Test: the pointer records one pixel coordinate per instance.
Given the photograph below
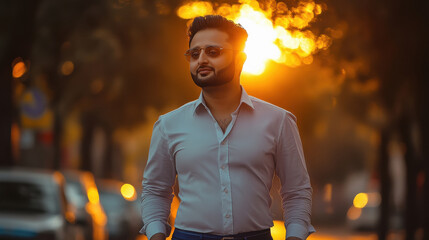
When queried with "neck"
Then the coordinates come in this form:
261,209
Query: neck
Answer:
223,99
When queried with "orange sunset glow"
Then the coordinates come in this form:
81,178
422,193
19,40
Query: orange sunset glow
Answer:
281,30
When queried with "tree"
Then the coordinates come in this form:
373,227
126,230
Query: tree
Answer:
16,36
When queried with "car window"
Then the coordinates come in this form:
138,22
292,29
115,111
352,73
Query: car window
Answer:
29,198
76,194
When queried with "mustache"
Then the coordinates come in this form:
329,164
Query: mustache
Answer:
199,68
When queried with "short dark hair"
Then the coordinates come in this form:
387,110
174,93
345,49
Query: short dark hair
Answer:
237,34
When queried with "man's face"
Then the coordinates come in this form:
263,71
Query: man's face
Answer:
207,71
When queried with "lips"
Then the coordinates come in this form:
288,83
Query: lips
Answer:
205,70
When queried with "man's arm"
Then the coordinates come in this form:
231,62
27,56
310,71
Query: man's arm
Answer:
161,236
158,179
296,189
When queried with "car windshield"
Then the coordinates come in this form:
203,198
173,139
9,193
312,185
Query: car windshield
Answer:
28,198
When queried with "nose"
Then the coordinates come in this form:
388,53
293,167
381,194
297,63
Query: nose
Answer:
202,59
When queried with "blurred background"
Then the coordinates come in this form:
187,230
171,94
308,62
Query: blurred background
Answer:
82,83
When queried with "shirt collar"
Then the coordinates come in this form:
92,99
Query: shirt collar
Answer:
244,99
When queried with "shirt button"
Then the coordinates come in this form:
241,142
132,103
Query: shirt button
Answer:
226,190
227,216
223,167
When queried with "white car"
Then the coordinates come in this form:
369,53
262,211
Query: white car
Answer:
33,205
119,201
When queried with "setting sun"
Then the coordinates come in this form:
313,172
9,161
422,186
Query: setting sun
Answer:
276,32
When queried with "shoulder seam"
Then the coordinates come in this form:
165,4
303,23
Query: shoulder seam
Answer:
179,108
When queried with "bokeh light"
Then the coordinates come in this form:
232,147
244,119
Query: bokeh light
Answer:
361,200
19,69
67,68
128,192
354,213
93,195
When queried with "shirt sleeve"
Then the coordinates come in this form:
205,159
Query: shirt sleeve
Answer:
296,191
158,180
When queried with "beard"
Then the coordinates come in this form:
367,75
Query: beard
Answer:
221,77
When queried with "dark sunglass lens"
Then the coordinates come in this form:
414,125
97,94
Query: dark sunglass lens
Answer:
195,53
212,51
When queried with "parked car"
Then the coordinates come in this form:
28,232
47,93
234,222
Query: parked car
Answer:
33,205
82,192
364,213
119,201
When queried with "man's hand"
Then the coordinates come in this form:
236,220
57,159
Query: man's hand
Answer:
158,236
293,238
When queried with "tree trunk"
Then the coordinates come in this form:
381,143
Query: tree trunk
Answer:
88,125
385,184
423,99
425,146
411,217
57,131
108,158
6,109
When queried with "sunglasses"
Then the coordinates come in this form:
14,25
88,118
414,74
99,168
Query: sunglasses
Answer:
210,51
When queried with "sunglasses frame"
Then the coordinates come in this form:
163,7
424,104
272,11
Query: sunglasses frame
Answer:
188,54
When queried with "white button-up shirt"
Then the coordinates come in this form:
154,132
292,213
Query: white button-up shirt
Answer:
225,177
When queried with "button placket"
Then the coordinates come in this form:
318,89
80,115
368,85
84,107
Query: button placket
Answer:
225,185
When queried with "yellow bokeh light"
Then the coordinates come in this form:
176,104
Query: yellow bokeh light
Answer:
128,192
278,231
67,68
360,200
93,207
275,33
97,212
93,195
19,69
195,9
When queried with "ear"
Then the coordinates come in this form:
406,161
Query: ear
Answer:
240,59
242,56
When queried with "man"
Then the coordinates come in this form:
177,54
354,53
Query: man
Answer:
224,148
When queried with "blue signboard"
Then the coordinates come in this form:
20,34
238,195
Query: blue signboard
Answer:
33,104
